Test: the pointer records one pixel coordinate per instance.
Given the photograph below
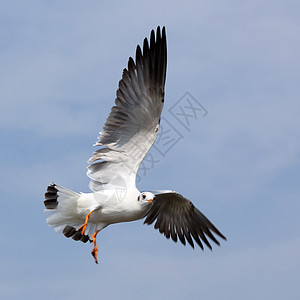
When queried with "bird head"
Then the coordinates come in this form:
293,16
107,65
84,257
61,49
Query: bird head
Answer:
146,198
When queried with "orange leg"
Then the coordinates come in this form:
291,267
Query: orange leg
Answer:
83,227
95,250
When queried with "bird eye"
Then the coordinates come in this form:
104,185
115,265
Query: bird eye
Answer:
144,196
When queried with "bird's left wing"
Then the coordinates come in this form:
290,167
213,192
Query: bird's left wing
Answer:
177,217
131,128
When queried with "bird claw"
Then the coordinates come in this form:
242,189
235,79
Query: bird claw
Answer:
95,250
94,253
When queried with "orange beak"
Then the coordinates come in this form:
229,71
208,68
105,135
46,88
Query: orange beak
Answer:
151,200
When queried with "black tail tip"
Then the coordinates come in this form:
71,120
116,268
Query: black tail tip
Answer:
70,231
51,197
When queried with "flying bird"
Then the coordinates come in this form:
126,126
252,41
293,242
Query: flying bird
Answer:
128,134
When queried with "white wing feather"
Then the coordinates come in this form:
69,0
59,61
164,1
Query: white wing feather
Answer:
131,128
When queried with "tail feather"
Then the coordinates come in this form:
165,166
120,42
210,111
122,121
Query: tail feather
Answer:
51,197
60,206
70,231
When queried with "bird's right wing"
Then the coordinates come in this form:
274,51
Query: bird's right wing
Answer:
133,123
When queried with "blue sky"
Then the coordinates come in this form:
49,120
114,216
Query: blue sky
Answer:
60,65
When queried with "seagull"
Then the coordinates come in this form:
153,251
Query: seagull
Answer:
127,136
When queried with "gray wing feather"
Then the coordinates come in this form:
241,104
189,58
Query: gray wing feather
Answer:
131,128
178,218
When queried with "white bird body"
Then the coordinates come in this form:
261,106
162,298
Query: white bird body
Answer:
115,208
108,206
128,134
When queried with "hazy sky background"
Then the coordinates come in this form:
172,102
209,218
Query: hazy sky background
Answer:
60,66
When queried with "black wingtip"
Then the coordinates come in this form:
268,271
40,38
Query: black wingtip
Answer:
184,221
158,36
216,231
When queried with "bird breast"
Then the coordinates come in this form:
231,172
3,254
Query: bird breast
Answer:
116,206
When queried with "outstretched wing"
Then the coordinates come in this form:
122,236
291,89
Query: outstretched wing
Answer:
131,128
177,217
